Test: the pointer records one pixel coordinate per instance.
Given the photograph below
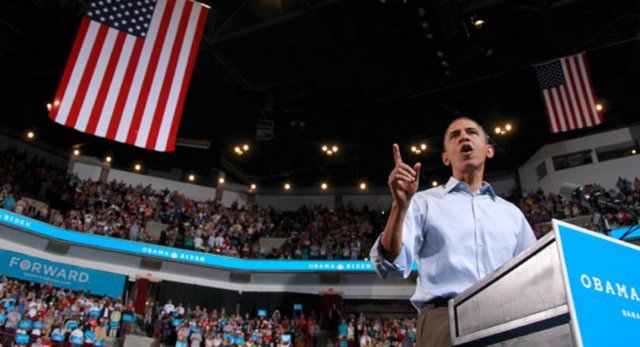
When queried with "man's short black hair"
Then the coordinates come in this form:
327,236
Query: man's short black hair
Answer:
444,138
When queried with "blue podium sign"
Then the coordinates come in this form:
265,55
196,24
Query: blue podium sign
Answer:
602,286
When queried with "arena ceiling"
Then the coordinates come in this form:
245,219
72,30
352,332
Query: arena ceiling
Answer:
361,74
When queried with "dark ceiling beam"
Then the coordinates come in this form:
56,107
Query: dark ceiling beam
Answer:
479,5
228,166
612,24
547,25
227,65
229,19
11,27
266,24
335,46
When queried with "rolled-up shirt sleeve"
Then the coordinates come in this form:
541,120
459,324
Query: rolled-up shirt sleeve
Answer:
411,240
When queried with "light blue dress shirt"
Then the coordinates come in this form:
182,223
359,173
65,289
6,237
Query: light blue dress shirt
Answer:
456,237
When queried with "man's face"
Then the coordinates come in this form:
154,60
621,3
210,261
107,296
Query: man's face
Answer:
466,147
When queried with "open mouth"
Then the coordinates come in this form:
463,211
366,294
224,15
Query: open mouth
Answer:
466,149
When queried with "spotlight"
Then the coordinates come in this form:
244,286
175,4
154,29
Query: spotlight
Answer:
324,186
108,159
414,149
325,148
504,129
221,180
56,103
363,186
253,186
192,177
245,147
477,21
49,107
423,146
137,167
76,152
287,186
329,152
31,134
334,149
633,151
599,107
434,183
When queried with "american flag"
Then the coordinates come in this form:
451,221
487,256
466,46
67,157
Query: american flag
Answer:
568,94
129,70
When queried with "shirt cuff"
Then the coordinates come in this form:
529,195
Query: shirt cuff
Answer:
384,267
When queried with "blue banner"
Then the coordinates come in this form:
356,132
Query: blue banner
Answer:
57,336
127,318
22,338
603,286
24,324
144,249
29,268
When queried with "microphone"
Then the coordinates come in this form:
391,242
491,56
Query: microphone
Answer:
590,197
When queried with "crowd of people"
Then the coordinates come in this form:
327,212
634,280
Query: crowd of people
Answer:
122,211
539,208
42,315
379,332
118,210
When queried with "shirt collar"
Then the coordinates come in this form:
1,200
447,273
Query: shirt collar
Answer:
456,185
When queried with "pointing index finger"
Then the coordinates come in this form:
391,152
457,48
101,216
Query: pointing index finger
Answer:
397,158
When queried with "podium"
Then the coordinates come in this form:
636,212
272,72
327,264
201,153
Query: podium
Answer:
574,287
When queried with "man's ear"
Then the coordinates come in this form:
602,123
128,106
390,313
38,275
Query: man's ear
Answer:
491,151
445,159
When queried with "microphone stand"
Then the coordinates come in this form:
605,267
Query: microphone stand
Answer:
635,224
599,219
601,203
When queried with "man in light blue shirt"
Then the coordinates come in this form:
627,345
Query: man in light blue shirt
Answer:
458,233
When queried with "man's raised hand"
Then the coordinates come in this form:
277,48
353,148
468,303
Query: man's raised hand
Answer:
403,180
